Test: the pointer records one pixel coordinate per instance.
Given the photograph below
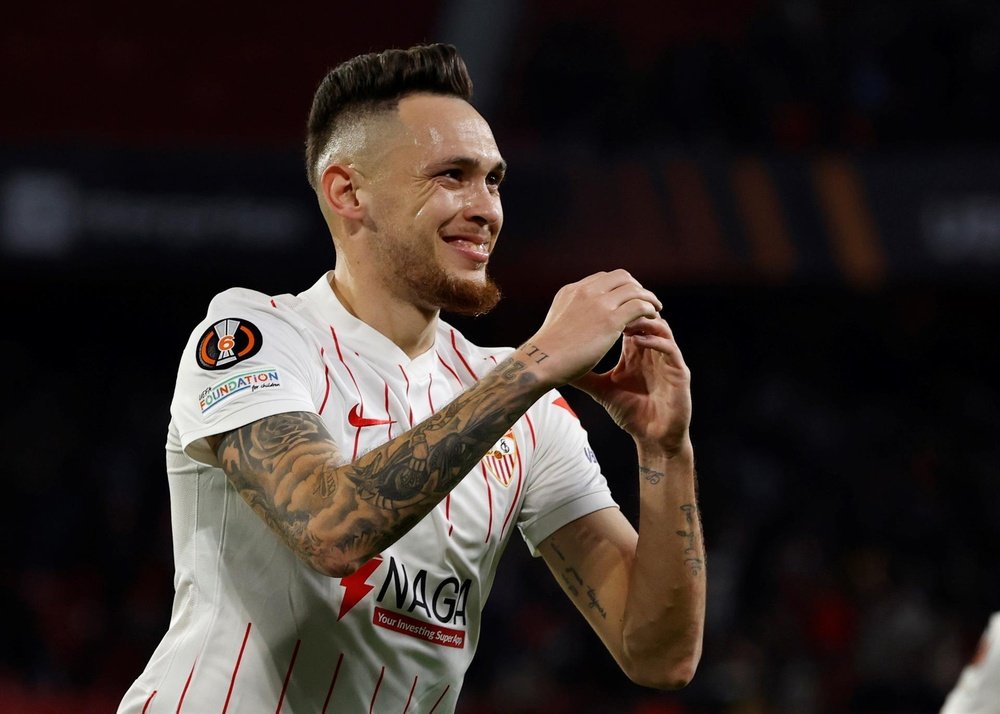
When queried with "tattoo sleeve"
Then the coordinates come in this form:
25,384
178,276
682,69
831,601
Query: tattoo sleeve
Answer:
288,468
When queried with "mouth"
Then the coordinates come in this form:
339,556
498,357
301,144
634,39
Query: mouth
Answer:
475,248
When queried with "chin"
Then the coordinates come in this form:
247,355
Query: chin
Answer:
468,296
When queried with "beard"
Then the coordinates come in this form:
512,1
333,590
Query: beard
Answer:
416,272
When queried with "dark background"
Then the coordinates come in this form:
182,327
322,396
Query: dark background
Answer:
811,187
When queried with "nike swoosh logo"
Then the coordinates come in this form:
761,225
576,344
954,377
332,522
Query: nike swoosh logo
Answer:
356,420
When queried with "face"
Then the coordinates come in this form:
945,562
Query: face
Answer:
433,210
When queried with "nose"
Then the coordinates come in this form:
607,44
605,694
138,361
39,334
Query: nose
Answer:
483,206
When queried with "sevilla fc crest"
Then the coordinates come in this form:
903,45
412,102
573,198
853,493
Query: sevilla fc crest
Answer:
502,460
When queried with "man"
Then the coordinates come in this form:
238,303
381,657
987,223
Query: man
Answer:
978,688
346,469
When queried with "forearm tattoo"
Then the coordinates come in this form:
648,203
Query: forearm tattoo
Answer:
575,584
651,475
534,353
289,470
692,539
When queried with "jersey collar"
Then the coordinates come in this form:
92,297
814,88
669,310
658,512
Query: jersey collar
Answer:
359,336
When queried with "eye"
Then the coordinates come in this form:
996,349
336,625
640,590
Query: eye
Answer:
453,174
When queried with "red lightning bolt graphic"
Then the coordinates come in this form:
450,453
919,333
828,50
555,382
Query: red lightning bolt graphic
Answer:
355,587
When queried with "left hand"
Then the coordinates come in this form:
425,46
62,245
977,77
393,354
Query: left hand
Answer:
648,393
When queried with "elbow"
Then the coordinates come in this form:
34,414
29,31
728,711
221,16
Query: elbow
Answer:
664,675
671,667
334,564
334,569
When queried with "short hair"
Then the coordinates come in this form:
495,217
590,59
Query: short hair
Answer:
376,82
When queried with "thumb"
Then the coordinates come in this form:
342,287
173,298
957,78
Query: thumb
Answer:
593,384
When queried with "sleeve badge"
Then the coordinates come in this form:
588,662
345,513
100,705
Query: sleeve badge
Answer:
227,342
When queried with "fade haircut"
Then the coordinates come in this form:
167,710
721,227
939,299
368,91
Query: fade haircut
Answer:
374,83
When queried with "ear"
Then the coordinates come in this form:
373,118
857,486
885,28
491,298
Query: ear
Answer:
340,191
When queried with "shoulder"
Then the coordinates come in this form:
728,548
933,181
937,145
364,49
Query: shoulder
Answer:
256,307
245,298
239,322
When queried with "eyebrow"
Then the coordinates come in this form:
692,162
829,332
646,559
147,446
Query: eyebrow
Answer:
469,163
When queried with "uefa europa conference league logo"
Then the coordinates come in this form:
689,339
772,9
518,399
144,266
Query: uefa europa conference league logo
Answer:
227,342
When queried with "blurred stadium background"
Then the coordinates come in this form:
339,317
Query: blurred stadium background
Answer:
812,186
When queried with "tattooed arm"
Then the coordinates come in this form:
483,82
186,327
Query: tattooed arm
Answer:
643,593
336,516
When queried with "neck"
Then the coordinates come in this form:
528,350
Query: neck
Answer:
410,327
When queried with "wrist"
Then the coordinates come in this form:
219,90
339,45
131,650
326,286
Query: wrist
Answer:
665,451
538,361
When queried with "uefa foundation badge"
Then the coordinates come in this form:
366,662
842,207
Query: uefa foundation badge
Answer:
227,342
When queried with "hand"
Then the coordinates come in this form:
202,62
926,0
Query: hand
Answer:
586,318
648,393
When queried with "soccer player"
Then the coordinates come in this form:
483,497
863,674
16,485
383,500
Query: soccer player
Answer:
978,688
346,469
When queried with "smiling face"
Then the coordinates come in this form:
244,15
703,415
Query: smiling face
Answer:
432,204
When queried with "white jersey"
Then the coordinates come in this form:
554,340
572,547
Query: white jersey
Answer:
978,687
254,628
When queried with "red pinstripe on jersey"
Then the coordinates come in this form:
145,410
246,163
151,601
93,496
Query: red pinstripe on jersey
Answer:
517,493
361,399
410,408
236,669
454,346
145,706
187,683
371,707
333,682
326,375
288,676
450,370
447,513
387,416
409,698
439,699
531,428
430,400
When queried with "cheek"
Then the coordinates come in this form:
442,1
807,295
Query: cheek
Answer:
439,205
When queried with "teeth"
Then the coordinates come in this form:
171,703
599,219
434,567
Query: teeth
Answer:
478,247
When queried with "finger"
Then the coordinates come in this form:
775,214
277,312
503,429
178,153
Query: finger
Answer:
648,326
633,309
631,353
604,281
655,326
632,290
663,345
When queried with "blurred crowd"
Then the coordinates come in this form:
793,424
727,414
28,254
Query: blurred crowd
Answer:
786,74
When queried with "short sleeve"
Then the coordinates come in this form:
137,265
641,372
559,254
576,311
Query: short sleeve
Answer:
978,686
565,480
245,361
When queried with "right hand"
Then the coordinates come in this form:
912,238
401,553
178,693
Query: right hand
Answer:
585,320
